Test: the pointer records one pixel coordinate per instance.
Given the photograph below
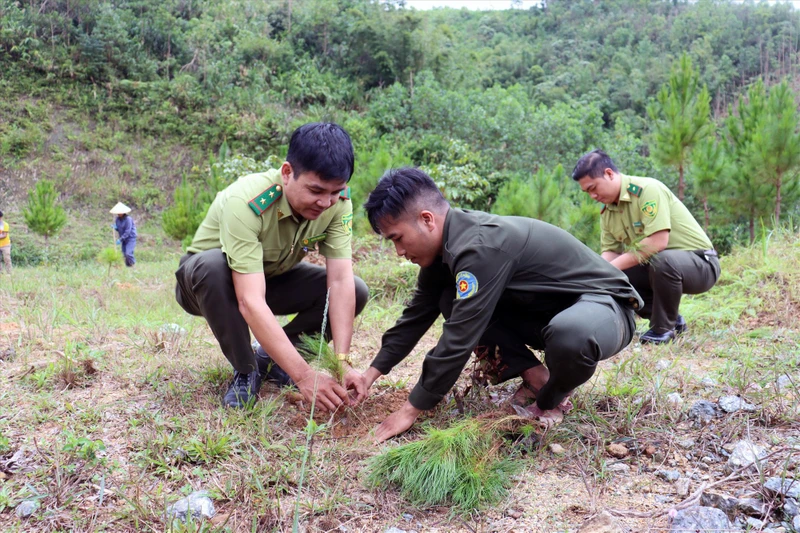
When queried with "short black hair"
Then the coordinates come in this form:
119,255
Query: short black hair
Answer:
397,191
324,148
593,165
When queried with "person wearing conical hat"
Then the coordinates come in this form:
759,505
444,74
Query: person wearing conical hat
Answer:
126,228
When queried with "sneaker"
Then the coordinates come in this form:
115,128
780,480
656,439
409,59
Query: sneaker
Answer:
269,369
243,390
681,326
651,337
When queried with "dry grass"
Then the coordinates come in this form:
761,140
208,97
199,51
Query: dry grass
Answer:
107,419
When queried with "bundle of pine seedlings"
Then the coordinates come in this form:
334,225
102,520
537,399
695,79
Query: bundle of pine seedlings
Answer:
465,466
318,353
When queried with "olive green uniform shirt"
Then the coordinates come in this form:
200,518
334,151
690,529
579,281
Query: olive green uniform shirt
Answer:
275,240
647,206
491,261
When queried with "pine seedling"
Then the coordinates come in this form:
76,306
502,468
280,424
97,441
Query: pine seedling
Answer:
316,350
109,257
462,466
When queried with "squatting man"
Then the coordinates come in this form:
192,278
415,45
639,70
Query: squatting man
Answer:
503,284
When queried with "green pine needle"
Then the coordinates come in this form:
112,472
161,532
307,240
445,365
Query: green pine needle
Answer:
461,465
316,351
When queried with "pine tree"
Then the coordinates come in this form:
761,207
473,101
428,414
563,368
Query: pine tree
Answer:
43,215
709,168
748,195
541,196
681,118
776,143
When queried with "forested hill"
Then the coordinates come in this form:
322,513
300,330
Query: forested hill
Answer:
124,99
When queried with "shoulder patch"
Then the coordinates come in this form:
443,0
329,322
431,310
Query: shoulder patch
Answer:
315,239
650,208
345,193
634,189
466,285
347,222
260,203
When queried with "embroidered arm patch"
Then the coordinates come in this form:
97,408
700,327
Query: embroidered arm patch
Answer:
466,285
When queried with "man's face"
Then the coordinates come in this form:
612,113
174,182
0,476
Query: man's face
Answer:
604,189
308,194
413,238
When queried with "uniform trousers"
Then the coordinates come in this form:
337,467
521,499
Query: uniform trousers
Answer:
575,337
128,245
665,278
205,288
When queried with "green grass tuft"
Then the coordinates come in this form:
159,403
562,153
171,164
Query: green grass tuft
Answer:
462,465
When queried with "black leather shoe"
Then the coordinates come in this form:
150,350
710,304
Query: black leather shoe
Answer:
269,369
243,390
681,326
651,337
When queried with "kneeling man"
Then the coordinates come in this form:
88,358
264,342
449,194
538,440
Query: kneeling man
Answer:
504,283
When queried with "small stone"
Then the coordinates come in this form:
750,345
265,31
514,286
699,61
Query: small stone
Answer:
708,382
617,467
686,443
196,505
514,513
557,449
661,498
395,530
674,398
784,383
172,329
663,364
796,523
408,517
790,508
682,487
668,475
617,450
745,454
703,411
752,507
755,523
789,488
26,508
700,519
602,523
724,502
731,404
650,450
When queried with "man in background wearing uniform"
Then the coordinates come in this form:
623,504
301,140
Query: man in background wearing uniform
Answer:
650,235
5,244
502,283
244,267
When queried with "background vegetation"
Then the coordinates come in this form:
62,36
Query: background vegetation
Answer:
125,100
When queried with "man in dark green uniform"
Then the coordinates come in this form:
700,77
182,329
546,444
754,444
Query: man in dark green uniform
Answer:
504,283
244,267
650,235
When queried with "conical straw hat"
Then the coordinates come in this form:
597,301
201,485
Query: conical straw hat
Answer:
120,209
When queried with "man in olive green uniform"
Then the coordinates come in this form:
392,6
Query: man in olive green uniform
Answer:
244,267
503,283
650,235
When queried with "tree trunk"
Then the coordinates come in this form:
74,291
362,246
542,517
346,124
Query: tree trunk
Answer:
752,225
681,184
778,201
705,211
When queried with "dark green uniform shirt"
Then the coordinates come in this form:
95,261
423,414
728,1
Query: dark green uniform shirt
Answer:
490,261
647,206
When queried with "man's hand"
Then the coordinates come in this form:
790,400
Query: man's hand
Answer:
397,422
329,394
355,381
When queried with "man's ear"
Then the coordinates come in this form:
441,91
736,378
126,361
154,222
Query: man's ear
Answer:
428,219
608,174
286,172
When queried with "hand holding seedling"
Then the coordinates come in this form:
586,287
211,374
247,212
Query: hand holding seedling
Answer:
397,422
327,391
355,382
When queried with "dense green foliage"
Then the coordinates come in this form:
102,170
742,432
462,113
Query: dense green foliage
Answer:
488,102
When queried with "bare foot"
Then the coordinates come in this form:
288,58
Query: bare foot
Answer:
546,419
533,379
